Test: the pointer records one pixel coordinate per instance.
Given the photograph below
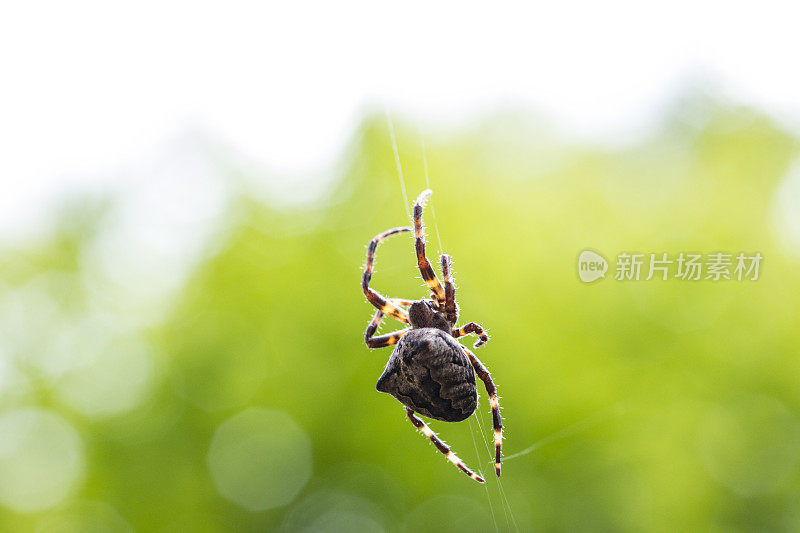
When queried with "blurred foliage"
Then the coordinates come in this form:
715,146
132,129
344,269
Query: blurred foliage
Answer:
651,405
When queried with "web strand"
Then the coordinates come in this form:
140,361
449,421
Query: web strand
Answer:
397,163
485,485
569,431
506,506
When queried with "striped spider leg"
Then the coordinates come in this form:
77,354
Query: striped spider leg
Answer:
422,261
374,297
390,338
441,446
472,327
451,310
450,307
497,421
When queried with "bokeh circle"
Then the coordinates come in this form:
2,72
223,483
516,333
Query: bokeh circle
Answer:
41,459
260,459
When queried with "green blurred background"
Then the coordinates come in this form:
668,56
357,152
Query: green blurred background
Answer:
242,396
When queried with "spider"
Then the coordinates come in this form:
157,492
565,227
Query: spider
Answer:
430,372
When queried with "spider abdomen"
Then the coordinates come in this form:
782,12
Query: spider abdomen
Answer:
430,374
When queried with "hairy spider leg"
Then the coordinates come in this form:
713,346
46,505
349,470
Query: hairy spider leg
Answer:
441,446
422,261
450,307
388,339
497,421
375,298
471,327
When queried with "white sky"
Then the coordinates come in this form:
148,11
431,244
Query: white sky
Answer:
91,89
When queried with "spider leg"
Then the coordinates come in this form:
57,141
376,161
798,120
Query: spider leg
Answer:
383,340
497,421
441,446
422,261
450,308
468,328
386,306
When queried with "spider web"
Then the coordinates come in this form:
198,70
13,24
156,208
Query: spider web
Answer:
397,163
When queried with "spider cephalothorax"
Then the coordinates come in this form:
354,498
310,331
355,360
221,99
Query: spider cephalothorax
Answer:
426,314
429,371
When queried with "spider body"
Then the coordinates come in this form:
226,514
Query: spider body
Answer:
429,374
429,371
